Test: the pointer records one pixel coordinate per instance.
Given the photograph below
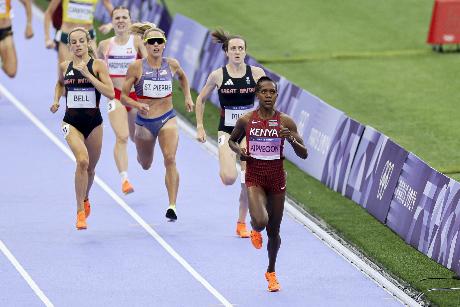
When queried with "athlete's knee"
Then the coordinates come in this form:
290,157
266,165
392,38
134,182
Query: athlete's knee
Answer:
169,160
90,171
122,139
144,163
10,71
82,163
273,232
259,222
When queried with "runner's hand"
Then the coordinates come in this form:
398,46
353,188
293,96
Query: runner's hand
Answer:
50,44
284,132
82,68
105,28
201,134
54,107
244,156
143,108
29,33
189,104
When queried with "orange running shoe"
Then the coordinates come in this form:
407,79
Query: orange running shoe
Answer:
81,220
241,230
273,284
87,207
256,239
126,187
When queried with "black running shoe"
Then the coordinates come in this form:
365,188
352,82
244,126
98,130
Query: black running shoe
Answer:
171,214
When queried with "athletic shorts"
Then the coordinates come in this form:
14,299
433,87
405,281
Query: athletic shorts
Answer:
269,175
5,32
84,119
154,124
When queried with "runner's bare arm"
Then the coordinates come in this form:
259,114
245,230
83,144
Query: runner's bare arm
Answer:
140,47
201,99
59,88
101,49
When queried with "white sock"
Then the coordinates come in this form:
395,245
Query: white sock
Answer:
124,176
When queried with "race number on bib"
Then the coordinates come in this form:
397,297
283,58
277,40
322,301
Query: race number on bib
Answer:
265,148
80,11
111,105
81,98
156,89
118,64
232,113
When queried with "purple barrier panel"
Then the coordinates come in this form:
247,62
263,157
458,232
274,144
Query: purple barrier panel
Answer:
444,228
160,16
340,156
286,90
185,40
362,174
101,13
145,8
418,188
389,164
212,57
317,123
135,9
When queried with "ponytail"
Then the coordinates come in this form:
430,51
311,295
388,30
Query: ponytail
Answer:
219,36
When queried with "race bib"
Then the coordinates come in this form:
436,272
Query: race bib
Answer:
118,64
232,113
265,148
156,89
81,98
221,140
111,105
82,12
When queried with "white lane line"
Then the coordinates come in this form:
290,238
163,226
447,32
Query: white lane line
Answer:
118,199
25,275
329,240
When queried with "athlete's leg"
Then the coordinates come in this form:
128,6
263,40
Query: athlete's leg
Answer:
275,209
93,144
76,142
8,56
227,159
243,210
258,208
145,144
132,122
168,139
119,121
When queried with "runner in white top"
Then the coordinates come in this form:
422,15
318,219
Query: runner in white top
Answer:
120,51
